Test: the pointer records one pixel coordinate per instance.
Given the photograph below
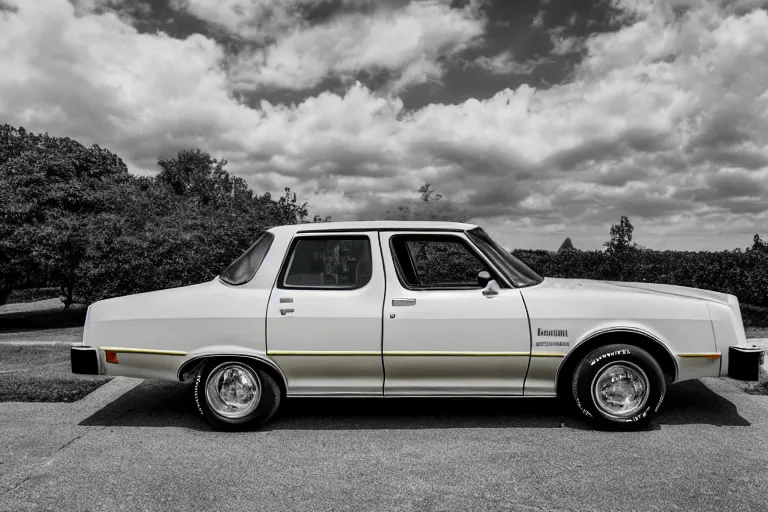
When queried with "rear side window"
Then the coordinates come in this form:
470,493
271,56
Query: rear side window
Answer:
337,262
244,268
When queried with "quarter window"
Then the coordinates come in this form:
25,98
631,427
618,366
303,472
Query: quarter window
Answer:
244,268
328,262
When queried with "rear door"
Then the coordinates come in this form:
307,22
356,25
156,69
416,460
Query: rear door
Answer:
324,315
442,334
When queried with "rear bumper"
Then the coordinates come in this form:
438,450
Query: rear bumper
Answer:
744,362
85,360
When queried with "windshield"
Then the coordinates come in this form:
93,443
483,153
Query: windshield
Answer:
513,269
247,264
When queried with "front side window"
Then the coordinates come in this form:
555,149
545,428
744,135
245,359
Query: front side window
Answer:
436,261
338,262
244,268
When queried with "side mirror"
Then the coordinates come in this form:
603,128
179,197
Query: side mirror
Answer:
491,289
483,278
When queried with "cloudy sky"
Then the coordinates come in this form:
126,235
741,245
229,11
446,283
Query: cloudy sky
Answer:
546,118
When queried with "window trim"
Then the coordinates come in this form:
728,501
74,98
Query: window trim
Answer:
291,252
463,240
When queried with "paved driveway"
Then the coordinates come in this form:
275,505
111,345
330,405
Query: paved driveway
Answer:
134,445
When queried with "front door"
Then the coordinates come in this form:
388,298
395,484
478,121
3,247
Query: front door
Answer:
324,315
442,334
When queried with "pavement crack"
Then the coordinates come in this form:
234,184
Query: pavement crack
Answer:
15,486
70,442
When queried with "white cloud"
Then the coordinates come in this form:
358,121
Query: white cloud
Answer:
504,63
538,20
94,77
665,119
255,20
563,45
410,43
127,10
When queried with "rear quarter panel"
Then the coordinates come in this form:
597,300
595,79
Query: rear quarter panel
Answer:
187,322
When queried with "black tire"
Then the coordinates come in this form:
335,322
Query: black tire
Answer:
268,402
616,356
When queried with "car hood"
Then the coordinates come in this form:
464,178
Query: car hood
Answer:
644,288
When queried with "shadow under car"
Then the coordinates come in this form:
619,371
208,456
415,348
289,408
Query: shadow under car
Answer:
165,404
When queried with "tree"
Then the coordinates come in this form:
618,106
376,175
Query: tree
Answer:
427,192
621,236
430,206
758,244
45,182
567,245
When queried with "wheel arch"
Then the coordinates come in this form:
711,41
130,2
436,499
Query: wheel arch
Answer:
192,364
625,335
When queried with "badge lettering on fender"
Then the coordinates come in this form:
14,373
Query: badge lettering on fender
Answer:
559,333
553,344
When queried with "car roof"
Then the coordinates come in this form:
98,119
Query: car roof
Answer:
375,225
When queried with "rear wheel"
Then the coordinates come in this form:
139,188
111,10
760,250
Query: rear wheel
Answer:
618,387
233,395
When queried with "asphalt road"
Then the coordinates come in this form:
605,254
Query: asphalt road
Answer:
134,445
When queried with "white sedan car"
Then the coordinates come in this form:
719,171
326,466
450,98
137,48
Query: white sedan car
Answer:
413,309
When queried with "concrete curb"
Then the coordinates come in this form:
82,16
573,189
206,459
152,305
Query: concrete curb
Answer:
105,395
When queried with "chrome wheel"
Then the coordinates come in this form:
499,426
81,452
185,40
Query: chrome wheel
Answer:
233,390
620,389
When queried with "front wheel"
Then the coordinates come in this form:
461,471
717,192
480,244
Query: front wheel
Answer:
232,395
618,387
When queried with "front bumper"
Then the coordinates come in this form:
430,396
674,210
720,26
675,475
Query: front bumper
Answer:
85,360
744,362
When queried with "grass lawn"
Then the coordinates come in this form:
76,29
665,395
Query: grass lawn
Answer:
42,374
43,314
757,332
33,295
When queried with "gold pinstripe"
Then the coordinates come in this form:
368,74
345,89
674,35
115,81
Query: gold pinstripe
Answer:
452,353
409,353
323,353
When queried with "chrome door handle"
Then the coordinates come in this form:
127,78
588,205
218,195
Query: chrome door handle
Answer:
283,300
490,292
285,311
403,302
